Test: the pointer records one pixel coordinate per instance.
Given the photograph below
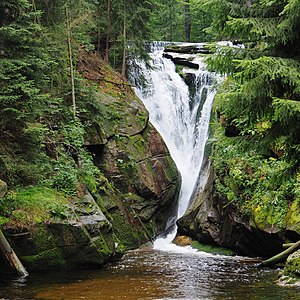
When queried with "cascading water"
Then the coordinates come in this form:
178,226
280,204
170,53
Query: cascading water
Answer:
181,119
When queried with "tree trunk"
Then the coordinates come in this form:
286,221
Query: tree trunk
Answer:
71,61
10,256
124,47
187,21
99,28
107,32
281,256
285,246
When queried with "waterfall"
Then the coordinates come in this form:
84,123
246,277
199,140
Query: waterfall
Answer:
181,117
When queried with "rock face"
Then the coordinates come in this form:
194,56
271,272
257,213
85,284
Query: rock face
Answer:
142,181
213,220
3,188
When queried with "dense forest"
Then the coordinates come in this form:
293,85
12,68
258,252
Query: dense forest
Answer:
42,44
48,93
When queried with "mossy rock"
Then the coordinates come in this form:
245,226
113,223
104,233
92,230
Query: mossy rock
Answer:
82,237
291,272
212,249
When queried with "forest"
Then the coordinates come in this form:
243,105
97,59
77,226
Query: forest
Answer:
57,57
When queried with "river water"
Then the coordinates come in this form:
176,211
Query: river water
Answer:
152,274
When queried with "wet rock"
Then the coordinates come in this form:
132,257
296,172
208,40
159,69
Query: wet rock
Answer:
188,49
182,61
140,182
146,184
182,240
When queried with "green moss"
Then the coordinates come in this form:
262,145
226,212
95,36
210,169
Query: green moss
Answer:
49,259
128,236
212,249
179,70
3,221
292,267
32,204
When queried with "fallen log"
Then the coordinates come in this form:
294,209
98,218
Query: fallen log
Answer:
281,256
285,246
10,257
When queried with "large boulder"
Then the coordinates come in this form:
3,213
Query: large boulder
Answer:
84,237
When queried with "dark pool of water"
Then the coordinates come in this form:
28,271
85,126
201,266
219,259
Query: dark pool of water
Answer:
150,274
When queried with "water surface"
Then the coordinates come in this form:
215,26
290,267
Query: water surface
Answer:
151,274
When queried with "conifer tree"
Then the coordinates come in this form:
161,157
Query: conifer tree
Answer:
21,61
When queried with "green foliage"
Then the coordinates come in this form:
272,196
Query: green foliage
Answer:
167,21
262,187
258,166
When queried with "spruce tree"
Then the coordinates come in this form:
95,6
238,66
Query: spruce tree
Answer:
21,62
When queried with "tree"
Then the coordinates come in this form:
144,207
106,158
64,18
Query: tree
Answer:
187,21
21,102
108,29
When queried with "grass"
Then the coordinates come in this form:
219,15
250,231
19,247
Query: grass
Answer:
31,205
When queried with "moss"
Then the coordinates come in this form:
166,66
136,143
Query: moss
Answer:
32,204
291,271
49,259
179,70
126,233
212,249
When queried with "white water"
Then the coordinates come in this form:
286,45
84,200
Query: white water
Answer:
182,122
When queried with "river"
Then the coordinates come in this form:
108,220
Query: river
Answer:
153,274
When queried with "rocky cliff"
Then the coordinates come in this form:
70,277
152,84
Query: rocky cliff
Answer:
137,189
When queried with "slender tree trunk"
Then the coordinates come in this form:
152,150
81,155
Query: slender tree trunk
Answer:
71,61
187,21
99,28
124,46
10,256
107,32
171,17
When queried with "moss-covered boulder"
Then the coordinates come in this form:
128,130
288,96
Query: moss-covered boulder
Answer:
291,272
79,235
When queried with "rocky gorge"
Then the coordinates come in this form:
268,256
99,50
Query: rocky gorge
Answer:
139,191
